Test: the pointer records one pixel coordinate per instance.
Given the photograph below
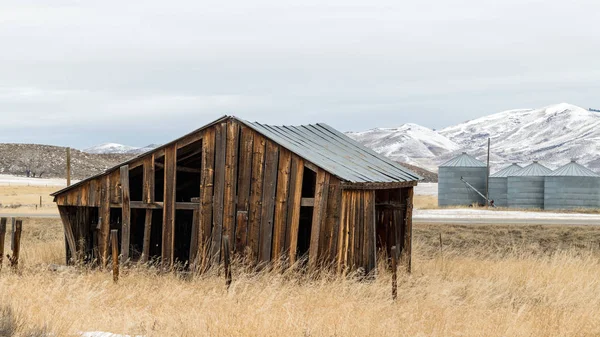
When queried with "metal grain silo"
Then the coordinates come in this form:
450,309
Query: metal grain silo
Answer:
499,185
452,191
572,186
526,186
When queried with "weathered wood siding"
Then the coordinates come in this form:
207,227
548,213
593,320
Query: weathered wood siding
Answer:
250,190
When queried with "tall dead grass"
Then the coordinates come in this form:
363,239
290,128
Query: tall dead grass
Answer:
530,281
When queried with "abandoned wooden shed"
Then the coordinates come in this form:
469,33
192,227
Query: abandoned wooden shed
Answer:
278,192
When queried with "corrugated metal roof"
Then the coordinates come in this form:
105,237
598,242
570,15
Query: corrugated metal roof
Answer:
505,172
573,169
320,144
532,170
336,153
464,160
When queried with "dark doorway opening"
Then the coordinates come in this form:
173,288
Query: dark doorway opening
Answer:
304,230
136,183
309,183
115,223
156,236
159,179
390,211
189,165
136,240
183,235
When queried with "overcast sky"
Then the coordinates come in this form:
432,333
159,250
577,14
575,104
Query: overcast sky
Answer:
80,73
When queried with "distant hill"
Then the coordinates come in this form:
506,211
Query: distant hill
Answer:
50,161
114,148
554,135
428,176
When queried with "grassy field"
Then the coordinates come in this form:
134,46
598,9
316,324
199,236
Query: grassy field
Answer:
485,281
24,199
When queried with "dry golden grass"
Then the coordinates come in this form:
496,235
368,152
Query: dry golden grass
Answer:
487,281
425,201
23,199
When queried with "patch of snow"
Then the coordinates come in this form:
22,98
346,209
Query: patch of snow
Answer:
10,180
109,148
426,189
553,135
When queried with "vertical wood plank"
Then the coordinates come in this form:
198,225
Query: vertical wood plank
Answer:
114,236
359,226
148,191
333,215
268,201
68,227
282,195
368,227
2,236
206,189
92,193
343,234
147,231
104,219
256,189
125,212
231,168
293,211
351,230
219,190
322,185
148,178
407,251
194,237
168,230
372,233
243,188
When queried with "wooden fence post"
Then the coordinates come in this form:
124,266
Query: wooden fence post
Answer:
226,259
16,243
2,235
114,236
394,274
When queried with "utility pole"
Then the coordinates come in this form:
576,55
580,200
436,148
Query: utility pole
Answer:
68,166
487,180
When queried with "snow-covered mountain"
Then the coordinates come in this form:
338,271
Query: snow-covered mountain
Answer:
118,148
408,143
553,135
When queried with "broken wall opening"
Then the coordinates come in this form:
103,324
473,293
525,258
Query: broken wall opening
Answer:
189,168
159,179
183,234
136,183
304,230
155,250
136,239
390,213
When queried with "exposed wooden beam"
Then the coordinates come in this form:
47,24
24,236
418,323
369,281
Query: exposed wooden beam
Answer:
125,212
321,188
293,212
307,202
168,233
377,186
180,168
311,166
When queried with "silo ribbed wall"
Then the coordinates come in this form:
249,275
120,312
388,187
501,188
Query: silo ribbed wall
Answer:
572,192
453,192
526,192
499,191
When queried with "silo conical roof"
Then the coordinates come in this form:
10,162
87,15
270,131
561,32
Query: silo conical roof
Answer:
463,160
505,172
532,170
573,169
